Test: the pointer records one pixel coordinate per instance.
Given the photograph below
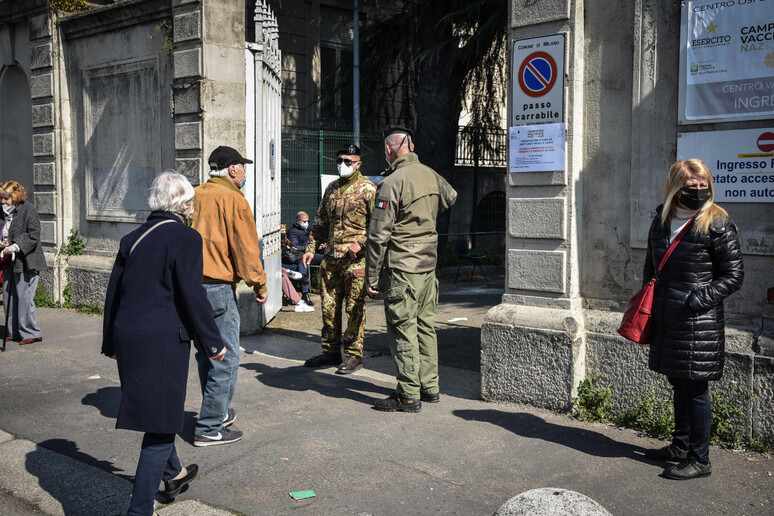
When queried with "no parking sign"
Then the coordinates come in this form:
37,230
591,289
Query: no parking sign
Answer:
538,80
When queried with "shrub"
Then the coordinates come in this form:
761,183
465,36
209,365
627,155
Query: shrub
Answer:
594,401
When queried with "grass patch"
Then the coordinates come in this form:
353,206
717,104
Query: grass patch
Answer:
654,414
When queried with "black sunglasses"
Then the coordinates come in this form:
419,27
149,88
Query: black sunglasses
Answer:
347,162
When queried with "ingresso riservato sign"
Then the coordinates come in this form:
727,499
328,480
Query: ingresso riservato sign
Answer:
741,162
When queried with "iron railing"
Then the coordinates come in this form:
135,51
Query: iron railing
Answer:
489,143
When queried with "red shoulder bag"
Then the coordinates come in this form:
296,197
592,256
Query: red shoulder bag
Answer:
636,320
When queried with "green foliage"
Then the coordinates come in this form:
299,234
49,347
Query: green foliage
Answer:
652,414
165,29
94,309
594,401
467,39
41,298
74,245
70,5
727,413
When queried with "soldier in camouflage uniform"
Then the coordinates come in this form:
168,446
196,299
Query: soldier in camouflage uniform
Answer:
341,221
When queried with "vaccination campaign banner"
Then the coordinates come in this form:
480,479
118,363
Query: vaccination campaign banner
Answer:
727,60
741,162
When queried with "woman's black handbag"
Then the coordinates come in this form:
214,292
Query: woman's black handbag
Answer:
291,255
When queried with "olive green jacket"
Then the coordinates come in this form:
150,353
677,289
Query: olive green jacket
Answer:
402,232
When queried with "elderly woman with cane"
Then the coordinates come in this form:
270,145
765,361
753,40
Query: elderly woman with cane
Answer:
155,305
687,339
22,259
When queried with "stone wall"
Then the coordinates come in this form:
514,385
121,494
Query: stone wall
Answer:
576,239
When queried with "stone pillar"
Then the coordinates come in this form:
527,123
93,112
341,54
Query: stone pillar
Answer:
51,145
208,94
209,81
533,344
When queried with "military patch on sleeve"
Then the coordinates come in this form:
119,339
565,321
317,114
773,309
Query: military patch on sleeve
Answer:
381,204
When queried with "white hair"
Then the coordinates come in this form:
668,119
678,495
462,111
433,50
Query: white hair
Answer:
170,191
219,173
394,141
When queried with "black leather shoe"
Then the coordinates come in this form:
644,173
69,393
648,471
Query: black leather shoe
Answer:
396,403
428,397
688,469
323,359
350,365
307,298
671,453
172,488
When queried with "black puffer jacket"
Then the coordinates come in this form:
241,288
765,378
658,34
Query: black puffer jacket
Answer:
687,337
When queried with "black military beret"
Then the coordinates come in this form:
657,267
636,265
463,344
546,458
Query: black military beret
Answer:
399,128
223,157
350,150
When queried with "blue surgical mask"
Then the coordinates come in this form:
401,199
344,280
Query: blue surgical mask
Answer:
243,183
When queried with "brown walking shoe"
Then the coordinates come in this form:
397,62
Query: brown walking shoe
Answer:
350,365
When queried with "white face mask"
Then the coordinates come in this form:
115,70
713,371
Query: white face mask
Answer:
345,170
304,224
8,208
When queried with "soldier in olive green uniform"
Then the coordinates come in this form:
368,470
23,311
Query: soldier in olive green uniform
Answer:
341,221
403,239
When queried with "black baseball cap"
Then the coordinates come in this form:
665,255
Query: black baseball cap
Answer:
350,150
224,157
398,128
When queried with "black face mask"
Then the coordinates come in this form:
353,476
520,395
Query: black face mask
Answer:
694,198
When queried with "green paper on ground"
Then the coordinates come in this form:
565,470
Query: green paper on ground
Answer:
300,495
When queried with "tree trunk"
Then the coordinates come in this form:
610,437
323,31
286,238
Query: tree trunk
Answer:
438,111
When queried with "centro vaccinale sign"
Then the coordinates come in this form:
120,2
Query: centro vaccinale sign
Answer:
741,162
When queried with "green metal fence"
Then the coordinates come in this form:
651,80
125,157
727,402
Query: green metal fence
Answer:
308,154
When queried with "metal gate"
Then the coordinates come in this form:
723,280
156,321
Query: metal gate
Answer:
263,133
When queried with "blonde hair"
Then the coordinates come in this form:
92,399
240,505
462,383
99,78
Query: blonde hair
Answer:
14,190
678,175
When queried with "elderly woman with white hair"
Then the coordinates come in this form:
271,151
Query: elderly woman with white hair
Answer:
155,305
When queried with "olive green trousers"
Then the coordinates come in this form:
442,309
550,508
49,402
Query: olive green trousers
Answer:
410,301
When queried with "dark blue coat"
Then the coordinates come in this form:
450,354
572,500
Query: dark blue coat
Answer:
298,236
155,305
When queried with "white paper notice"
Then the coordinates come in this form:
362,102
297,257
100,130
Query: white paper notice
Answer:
536,148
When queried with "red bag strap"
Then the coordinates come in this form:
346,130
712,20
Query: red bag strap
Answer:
674,243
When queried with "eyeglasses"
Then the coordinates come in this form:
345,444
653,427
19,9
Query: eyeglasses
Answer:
347,162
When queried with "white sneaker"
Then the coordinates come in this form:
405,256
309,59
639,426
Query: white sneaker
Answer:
303,307
294,275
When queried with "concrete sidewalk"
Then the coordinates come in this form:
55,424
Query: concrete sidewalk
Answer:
311,429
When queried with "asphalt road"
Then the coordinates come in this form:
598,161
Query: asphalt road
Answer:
312,429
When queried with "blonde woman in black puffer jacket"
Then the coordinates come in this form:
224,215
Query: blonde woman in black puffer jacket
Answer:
687,342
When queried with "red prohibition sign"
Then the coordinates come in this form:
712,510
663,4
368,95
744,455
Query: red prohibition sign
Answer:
766,142
537,74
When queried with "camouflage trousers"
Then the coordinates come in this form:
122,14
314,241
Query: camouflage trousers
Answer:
342,282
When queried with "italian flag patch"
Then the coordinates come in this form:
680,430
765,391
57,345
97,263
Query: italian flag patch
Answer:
381,204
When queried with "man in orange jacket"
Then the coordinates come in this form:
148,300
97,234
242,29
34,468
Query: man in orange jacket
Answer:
223,217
